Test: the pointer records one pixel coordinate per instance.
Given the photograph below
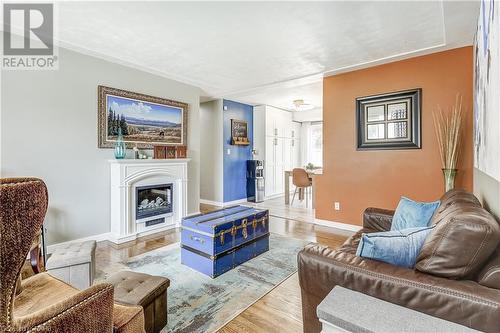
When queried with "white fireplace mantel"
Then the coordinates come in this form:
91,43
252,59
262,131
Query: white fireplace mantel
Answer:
125,176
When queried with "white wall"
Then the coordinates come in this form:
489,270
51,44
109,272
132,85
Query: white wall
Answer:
259,131
304,142
211,156
49,130
309,115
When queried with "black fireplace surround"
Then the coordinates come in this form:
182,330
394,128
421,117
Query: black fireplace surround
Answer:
153,200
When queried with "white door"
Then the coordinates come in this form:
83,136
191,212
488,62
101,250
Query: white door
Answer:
270,122
296,130
279,169
287,154
269,165
295,153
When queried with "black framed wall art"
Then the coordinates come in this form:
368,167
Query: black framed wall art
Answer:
389,121
239,132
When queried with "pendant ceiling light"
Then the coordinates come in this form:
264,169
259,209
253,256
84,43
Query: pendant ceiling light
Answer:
301,105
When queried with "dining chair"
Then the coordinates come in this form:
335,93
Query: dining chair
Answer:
301,181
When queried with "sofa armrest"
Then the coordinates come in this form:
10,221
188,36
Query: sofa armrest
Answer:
91,310
464,302
377,219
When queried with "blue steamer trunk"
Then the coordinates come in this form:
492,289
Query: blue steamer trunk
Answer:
218,241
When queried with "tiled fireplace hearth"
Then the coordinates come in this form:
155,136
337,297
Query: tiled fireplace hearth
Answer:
147,196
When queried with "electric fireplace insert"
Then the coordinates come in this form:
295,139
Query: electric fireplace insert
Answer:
153,200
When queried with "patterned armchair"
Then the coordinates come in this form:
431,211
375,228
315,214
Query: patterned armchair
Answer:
46,304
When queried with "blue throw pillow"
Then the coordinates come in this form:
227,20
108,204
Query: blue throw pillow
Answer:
413,214
398,247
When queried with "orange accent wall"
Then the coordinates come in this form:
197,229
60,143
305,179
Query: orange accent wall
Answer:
361,179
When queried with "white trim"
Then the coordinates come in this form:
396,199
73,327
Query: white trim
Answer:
393,58
210,202
274,196
234,202
129,238
223,204
337,225
97,238
193,213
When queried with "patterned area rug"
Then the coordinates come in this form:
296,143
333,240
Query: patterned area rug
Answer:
197,303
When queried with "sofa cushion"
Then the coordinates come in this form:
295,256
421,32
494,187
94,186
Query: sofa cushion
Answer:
398,247
40,292
451,202
413,214
490,274
464,238
377,219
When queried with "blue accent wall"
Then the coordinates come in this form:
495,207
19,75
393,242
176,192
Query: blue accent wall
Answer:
235,164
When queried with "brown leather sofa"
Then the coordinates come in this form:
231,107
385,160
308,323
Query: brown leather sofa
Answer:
457,276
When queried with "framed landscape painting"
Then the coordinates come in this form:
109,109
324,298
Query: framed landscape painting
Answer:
143,120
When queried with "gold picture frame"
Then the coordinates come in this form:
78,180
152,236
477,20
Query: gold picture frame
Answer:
144,120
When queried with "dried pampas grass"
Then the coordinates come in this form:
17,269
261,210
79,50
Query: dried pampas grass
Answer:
449,127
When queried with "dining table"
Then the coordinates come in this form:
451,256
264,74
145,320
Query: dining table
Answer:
312,175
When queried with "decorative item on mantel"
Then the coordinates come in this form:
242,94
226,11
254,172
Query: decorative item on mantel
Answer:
163,152
170,151
160,152
120,150
138,155
449,127
181,151
239,133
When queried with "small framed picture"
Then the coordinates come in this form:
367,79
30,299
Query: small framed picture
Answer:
389,121
239,132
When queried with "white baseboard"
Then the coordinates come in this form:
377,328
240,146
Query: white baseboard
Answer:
234,202
124,239
223,204
338,225
193,213
108,236
210,202
274,196
97,238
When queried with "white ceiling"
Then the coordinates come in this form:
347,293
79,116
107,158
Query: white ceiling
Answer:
262,52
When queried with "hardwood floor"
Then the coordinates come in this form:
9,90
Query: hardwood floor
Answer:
280,309
298,211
